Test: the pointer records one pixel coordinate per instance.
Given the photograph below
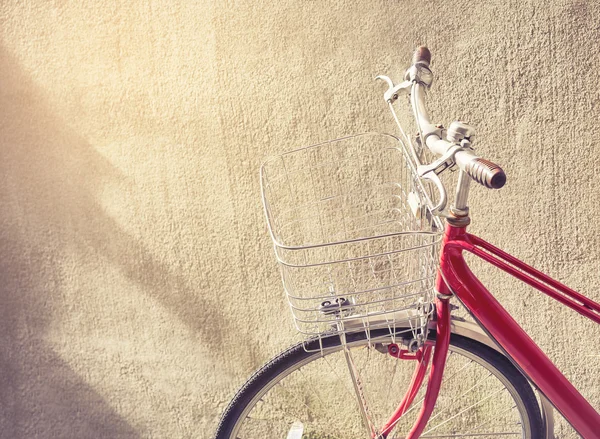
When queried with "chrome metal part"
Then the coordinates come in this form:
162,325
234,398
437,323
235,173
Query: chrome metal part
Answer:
460,207
458,221
444,296
414,345
547,415
432,171
443,200
427,130
394,91
419,73
441,164
457,131
454,145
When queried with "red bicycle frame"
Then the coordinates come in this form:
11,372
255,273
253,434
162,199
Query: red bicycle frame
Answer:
456,278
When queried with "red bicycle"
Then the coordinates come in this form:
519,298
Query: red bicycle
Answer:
371,258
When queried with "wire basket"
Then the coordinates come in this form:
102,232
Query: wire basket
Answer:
353,234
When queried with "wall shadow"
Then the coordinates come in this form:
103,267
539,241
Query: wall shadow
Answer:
49,181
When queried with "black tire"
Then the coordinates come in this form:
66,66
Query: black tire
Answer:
289,359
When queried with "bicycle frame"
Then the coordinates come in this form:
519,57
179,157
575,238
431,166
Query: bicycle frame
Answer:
455,278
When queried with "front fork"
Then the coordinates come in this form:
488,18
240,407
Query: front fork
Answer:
435,374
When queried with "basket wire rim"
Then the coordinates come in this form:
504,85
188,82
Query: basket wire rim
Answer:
263,184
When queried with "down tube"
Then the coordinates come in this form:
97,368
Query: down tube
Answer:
517,344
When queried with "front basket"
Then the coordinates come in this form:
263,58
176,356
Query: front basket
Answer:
353,234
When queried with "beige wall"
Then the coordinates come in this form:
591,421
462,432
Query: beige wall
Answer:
138,286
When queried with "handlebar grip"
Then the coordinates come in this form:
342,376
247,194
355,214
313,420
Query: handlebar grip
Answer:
422,55
486,173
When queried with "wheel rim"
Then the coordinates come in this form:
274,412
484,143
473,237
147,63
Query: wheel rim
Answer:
476,399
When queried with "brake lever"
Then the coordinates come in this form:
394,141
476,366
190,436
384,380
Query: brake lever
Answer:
443,201
431,171
394,91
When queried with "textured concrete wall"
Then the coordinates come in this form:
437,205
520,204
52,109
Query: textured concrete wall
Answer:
137,282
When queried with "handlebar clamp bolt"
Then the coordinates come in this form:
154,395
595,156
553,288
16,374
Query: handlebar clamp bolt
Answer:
458,131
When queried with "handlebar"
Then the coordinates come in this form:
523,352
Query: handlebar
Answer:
483,171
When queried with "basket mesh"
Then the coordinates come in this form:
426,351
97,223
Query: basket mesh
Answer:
353,234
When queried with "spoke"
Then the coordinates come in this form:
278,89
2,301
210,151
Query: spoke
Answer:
466,365
283,422
446,380
395,366
467,435
415,405
355,381
294,396
490,420
505,433
341,380
462,411
461,395
312,389
360,368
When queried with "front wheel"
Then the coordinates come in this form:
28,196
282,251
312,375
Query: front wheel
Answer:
307,392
